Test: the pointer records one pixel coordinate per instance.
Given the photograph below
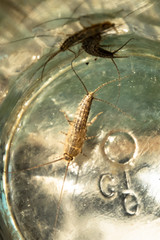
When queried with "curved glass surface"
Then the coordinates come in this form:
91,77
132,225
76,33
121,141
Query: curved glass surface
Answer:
112,187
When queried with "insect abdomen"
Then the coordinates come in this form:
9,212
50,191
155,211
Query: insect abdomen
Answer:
78,128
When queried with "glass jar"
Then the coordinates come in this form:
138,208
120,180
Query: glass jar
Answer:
111,189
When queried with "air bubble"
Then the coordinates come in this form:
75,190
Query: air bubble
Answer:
119,147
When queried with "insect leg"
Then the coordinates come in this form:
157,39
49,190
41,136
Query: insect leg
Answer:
112,58
119,85
90,137
122,47
64,133
47,61
66,116
117,67
93,120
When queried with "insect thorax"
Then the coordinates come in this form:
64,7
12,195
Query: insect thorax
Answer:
67,157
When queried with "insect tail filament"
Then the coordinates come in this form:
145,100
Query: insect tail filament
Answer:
61,193
38,166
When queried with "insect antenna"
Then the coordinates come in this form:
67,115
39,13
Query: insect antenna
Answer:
47,61
77,74
55,19
111,104
64,18
143,7
25,38
75,10
114,106
106,83
119,85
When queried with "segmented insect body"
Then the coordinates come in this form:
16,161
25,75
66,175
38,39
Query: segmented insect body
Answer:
82,35
77,131
76,135
91,45
90,38
78,37
85,33
78,127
